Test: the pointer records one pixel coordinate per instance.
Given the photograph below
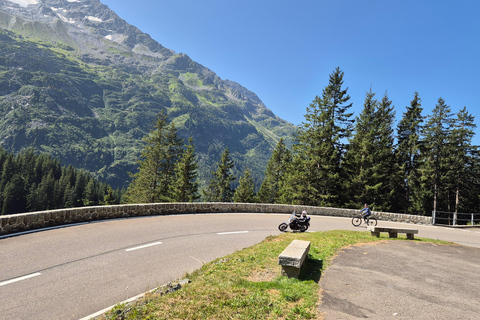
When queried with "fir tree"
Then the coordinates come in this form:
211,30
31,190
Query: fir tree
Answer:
319,145
369,159
152,183
13,195
386,167
245,191
274,174
407,154
464,179
361,156
185,186
219,189
435,159
109,197
91,193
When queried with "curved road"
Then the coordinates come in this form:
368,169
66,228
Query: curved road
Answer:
73,272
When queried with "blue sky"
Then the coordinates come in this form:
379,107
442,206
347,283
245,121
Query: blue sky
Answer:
284,50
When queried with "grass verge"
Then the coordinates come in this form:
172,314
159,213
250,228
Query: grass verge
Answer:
247,284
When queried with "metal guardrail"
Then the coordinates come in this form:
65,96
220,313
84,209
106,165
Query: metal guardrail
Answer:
455,218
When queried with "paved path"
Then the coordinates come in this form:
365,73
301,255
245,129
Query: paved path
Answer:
403,280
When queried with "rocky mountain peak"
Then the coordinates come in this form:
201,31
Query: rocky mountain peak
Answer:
88,25
83,85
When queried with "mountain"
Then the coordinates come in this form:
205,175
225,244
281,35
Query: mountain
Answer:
83,85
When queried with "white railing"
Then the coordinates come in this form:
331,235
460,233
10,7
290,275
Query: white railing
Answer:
455,218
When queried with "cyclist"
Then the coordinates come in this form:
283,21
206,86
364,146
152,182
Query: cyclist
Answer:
366,212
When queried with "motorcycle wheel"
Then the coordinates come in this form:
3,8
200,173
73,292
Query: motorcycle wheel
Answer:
303,228
283,226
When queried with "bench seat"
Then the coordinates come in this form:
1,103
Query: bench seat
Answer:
293,257
393,232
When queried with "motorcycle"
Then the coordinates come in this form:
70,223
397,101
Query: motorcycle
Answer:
295,223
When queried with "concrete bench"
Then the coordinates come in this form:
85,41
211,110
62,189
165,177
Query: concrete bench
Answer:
392,232
292,258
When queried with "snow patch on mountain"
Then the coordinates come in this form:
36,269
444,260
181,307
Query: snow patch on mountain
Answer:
91,18
24,3
65,19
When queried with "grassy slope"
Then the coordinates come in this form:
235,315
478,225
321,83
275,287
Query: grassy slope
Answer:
247,284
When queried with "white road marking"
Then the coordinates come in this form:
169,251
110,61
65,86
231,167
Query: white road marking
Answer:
4,283
99,313
234,232
144,246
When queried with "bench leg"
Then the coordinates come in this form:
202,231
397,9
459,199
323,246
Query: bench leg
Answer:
376,234
392,234
290,272
410,236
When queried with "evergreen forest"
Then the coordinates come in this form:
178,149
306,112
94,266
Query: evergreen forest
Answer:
423,164
36,182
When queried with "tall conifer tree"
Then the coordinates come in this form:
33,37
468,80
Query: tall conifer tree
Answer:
386,169
185,186
319,147
219,189
245,191
464,178
274,174
361,157
408,152
152,183
435,168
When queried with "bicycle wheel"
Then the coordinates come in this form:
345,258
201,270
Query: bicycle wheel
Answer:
372,221
356,221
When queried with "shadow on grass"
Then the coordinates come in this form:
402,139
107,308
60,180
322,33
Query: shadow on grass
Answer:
312,269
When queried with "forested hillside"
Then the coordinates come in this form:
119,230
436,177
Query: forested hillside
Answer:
31,182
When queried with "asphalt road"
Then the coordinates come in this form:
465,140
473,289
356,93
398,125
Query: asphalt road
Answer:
73,272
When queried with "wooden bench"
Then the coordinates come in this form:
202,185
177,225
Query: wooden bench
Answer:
292,258
392,232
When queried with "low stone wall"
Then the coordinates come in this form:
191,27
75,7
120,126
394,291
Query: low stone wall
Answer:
43,219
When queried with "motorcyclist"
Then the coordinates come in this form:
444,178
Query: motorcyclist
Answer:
303,216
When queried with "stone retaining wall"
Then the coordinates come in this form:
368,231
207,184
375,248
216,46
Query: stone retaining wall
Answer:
43,219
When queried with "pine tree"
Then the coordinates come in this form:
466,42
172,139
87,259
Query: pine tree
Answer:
361,156
152,183
245,191
274,174
464,178
319,145
91,193
219,189
435,159
44,192
407,154
79,189
386,167
185,186
109,197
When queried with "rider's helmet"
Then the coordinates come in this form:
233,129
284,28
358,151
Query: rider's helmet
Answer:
304,213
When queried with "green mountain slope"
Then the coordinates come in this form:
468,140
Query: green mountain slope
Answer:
81,84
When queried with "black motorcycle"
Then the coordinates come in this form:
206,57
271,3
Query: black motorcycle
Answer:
295,223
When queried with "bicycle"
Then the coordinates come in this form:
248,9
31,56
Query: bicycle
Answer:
370,221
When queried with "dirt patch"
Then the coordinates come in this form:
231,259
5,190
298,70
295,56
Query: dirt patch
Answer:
264,275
